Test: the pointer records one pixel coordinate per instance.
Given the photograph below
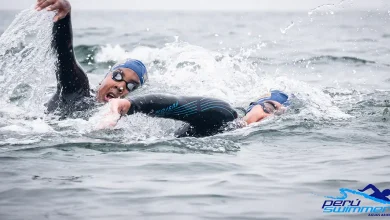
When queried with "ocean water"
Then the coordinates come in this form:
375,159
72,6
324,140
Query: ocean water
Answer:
335,135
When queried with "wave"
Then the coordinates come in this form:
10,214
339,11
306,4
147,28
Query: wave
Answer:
92,54
326,59
166,145
386,35
361,40
110,54
86,53
375,99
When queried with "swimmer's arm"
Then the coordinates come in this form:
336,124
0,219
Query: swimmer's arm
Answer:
70,77
193,110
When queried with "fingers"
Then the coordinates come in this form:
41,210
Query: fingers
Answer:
38,5
54,6
59,16
39,2
114,107
44,4
119,106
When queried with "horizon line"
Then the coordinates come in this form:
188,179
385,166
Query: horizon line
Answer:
217,10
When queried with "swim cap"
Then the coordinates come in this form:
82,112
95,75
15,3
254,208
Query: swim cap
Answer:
280,97
275,95
137,66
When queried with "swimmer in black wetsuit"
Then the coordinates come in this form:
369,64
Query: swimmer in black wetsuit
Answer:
73,91
202,116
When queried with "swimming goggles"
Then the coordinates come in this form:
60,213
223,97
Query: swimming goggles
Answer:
118,76
268,107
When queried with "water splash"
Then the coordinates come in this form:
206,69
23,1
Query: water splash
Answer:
181,68
26,59
284,30
27,67
328,7
319,8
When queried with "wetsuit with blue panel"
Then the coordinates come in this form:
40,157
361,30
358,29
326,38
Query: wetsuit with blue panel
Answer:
203,116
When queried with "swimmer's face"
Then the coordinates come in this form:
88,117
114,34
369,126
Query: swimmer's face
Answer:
110,89
257,113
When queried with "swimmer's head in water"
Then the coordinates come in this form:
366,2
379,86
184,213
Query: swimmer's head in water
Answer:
272,102
124,77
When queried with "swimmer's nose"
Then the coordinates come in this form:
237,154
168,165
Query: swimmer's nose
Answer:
120,89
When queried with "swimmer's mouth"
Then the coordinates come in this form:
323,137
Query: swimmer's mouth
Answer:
109,96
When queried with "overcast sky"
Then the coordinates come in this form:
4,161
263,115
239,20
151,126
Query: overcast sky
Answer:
284,5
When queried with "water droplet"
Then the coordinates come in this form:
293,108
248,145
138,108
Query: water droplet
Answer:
216,35
176,38
308,64
284,30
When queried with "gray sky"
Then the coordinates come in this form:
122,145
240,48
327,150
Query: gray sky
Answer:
271,5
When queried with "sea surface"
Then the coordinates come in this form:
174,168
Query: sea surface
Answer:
333,62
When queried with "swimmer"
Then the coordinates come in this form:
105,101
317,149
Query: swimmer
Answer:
202,116
73,89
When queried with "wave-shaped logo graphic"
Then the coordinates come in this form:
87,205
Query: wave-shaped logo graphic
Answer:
377,196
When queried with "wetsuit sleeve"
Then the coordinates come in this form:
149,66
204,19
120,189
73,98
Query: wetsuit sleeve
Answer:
202,113
70,77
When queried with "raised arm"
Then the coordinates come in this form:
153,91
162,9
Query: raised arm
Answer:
71,79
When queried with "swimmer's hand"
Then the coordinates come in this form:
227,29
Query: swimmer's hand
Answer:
118,107
61,6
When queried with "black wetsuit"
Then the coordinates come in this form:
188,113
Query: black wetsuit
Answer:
73,92
202,116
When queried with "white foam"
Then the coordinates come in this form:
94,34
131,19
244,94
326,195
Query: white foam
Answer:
193,70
